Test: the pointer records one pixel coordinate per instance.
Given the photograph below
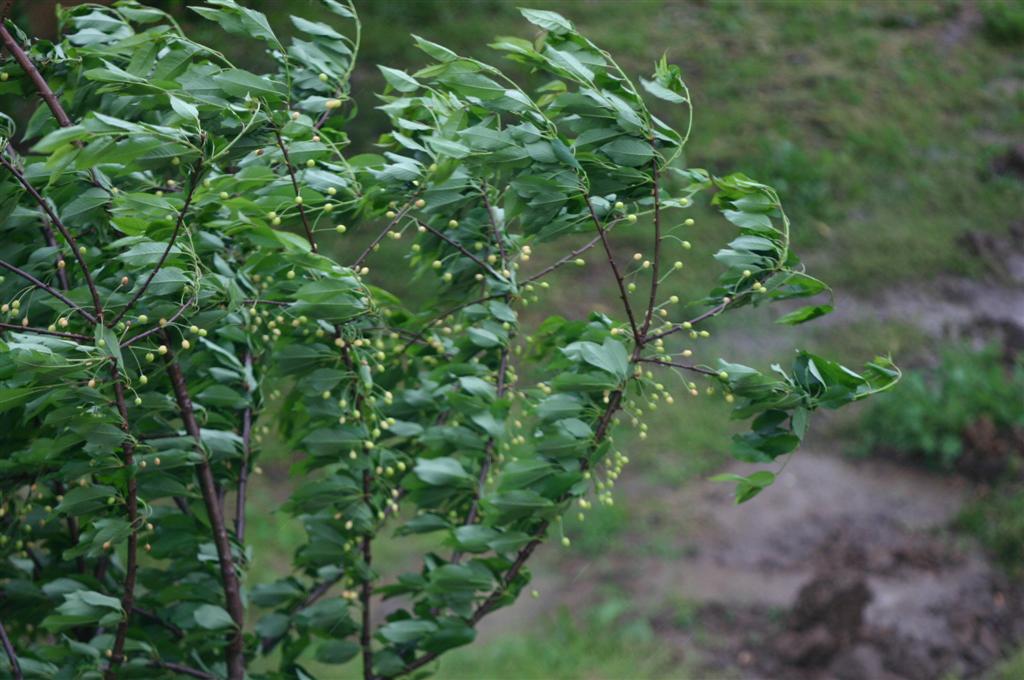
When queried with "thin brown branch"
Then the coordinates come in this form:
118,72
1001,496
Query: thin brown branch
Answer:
48,289
366,590
656,258
235,651
243,474
155,618
380,237
564,260
615,269
156,329
462,249
183,670
12,658
68,237
442,315
131,566
197,173
498,238
298,192
318,591
685,367
44,331
62,274
40,84
33,73
717,309
277,303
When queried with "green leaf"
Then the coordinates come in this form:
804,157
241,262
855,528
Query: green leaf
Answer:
12,397
747,487
85,202
443,471
629,151
240,83
336,651
183,108
662,92
400,80
238,20
212,617
83,499
409,630
610,356
549,21
804,314
108,344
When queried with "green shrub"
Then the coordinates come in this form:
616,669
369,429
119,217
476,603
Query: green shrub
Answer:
933,410
997,520
1003,21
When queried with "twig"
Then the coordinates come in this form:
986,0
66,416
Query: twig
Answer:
40,84
184,670
366,590
615,269
48,289
462,249
431,322
131,568
243,475
380,237
44,331
278,303
156,329
564,260
498,238
235,651
9,648
686,367
62,274
314,595
33,73
656,259
717,309
152,616
72,243
196,174
298,193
